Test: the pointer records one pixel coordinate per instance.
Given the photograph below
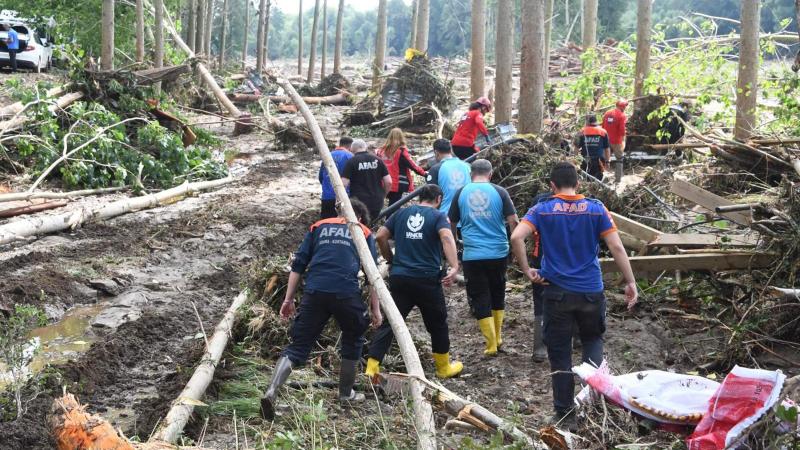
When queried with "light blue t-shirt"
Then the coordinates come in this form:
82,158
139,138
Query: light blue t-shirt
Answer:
482,209
13,40
453,174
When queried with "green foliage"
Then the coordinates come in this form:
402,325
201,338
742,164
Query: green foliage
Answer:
17,351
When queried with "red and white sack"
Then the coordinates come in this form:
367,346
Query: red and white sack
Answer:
742,398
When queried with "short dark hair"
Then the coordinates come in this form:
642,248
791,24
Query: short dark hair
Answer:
442,146
591,119
345,141
564,175
475,105
429,193
361,211
481,167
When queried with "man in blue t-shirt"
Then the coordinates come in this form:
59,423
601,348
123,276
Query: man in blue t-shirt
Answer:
449,173
483,210
340,155
570,228
330,261
12,44
420,233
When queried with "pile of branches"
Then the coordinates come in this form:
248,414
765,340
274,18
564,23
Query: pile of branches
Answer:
332,84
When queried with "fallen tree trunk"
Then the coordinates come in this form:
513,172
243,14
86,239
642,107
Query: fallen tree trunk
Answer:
337,99
30,209
20,196
423,413
17,107
179,414
158,74
25,228
19,120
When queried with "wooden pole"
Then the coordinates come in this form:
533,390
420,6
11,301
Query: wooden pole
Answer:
139,31
107,36
747,81
245,32
643,23
504,56
477,59
337,44
312,53
22,196
300,39
423,414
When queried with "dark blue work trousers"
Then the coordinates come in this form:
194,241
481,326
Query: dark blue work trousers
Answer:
562,309
316,308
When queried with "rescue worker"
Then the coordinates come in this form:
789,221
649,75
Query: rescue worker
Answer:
468,128
570,227
421,233
449,173
341,154
483,210
593,145
330,261
614,122
367,177
539,349
394,155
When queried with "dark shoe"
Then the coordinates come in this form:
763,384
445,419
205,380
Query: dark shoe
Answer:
539,349
283,369
347,378
564,420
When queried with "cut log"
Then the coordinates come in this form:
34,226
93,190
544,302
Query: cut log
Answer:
703,240
786,293
30,209
18,196
18,121
337,99
707,200
637,230
16,108
423,414
696,261
24,228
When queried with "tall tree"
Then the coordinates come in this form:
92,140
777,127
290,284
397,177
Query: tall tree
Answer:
423,24
324,38
531,96
300,40
158,54
337,45
209,22
589,35
200,27
477,61
747,84
504,54
223,34
548,33
139,31
380,46
191,16
312,54
261,34
245,32
644,19
107,36
414,15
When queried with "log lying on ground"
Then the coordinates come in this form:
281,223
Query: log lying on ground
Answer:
16,108
694,261
30,209
423,413
19,120
337,99
24,228
19,196
172,425
157,74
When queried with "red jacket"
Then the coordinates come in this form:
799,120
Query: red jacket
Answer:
471,123
614,123
400,166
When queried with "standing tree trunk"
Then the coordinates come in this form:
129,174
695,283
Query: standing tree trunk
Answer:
312,54
245,32
589,35
414,14
644,14
380,46
107,36
423,24
531,100
548,32
477,61
200,28
261,34
266,32
337,45
747,84
209,27
567,21
223,33
140,31
504,54
324,38
192,23
158,54
300,40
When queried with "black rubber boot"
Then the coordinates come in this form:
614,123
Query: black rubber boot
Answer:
539,349
282,370
347,378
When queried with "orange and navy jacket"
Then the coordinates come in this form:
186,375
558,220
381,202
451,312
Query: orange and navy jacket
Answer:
329,258
400,166
471,123
593,142
614,123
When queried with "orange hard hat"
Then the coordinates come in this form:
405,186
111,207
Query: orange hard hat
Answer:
622,103
485,102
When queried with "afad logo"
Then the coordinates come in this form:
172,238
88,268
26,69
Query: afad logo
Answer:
479,204
415,224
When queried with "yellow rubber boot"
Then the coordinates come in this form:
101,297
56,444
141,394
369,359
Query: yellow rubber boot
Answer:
444,368
497,315
487,328
373,368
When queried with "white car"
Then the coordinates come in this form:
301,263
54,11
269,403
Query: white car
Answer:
35,52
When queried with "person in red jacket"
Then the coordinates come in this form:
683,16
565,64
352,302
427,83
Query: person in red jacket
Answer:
471,123
614,123
395,156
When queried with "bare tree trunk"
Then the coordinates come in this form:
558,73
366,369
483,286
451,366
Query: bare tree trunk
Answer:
192,23
107,36
312,54
423,24
300,40
158,54
223,33
245,32
589,35
139,31
337,52
548,32
477,60
380,46
324,38
265,54
531,102
747,84
504,54
644,15
261,35
414,14
567,21
209,27
200,28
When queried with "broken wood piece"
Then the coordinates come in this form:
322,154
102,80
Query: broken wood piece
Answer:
16,108
158,74
18,121
17,196
786,293
636,229
690,240
30,209
336,99
454,424
708,200
693,261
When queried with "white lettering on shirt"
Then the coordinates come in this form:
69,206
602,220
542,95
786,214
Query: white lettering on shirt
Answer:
368,165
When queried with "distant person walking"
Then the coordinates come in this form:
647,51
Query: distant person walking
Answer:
395,156
12,44
614,122
367,177
593,145
341,154
468,128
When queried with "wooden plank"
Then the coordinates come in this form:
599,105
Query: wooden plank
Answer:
638,230
694,240
696,261
707,200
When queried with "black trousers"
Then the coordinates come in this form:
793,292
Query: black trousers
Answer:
12,57
328,209
563,309
427,295
463,152
593,168
486,285
314,312
393,197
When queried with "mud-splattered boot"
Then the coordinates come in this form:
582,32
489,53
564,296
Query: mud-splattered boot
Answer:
282,370
347,378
